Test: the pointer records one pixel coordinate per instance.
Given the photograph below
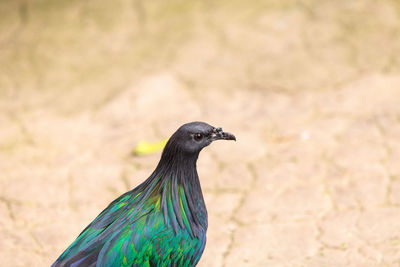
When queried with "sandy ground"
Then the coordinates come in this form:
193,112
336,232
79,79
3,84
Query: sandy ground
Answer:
311,89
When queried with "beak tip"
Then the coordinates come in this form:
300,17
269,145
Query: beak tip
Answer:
230,137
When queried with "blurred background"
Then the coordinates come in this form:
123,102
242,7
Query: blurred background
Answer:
311,89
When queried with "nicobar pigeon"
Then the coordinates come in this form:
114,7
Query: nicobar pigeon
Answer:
161,222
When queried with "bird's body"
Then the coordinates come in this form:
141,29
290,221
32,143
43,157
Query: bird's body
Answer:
162,222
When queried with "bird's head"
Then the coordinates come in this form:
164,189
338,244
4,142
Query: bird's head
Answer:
192,137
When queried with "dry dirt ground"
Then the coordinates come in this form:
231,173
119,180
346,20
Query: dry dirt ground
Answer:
311,89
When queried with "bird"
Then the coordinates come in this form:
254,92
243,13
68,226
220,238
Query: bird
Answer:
161,222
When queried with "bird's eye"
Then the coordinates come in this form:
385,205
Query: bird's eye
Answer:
198,137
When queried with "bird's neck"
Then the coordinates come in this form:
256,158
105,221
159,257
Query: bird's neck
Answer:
182,200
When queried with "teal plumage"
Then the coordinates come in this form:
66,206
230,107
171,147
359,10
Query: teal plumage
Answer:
162,222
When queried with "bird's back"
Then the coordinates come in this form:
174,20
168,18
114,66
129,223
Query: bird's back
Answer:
140,228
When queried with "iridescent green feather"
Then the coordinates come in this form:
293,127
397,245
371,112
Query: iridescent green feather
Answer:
126,235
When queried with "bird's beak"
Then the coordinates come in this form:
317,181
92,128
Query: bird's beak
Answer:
219,134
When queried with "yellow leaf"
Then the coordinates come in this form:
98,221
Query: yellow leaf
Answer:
145,148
